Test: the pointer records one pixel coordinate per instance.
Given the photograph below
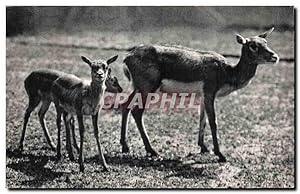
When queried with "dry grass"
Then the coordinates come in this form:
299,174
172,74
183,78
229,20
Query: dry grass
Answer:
256,124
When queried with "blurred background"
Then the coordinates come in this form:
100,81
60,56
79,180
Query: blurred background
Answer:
67,19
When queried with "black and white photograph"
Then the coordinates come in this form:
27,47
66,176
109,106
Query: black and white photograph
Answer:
150,97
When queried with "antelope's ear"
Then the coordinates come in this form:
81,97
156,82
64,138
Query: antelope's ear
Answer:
240,39
112,59
267,33
85,59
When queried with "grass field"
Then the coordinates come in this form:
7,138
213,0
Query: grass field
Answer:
256,124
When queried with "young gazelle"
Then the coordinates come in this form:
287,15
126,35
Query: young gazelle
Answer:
77,97
38,87
208,74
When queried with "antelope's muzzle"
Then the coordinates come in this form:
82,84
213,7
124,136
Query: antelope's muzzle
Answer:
274,58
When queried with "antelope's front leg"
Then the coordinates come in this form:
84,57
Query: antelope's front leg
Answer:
58,123
81,132
96,133
67,119
202,125
210,111
72,126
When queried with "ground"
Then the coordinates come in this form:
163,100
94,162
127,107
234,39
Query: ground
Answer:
256,124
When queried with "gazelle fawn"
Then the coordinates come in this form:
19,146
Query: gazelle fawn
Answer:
38,87
74,96
208,74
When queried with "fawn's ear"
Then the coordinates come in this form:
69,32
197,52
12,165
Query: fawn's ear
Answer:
112,59
85,59
267,33
240,39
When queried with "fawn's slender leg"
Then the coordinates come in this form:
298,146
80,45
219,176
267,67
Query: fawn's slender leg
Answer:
81,131
209,107
72,126
33,103
137,114
58,123
202,125
68,135
96,133
124,126
44,108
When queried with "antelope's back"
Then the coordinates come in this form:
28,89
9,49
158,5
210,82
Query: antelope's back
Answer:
173,62
41,80
67,88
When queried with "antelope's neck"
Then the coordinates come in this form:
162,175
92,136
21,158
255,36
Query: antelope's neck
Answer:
243,72
93,99
97,90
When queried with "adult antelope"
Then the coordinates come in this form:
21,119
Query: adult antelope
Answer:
38,88
208,74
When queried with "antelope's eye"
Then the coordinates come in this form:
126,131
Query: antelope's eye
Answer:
95,69
253,47
104,66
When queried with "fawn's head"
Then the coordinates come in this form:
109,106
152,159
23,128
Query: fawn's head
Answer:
99,68
255,48
112,83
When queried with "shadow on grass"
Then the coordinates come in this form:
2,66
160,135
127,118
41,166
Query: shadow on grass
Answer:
175,166
34,166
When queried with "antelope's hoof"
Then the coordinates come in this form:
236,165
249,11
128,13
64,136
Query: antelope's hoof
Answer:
81,168
222,159
152,153
105,169
76,148
204,150
20,149
125,149
72,158
53,148
58,156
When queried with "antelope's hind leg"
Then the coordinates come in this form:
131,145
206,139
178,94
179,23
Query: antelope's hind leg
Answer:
125,113
137,114
146,79
33,103
44,108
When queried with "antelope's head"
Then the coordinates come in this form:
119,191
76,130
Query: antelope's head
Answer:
112,83
256,50
99,68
